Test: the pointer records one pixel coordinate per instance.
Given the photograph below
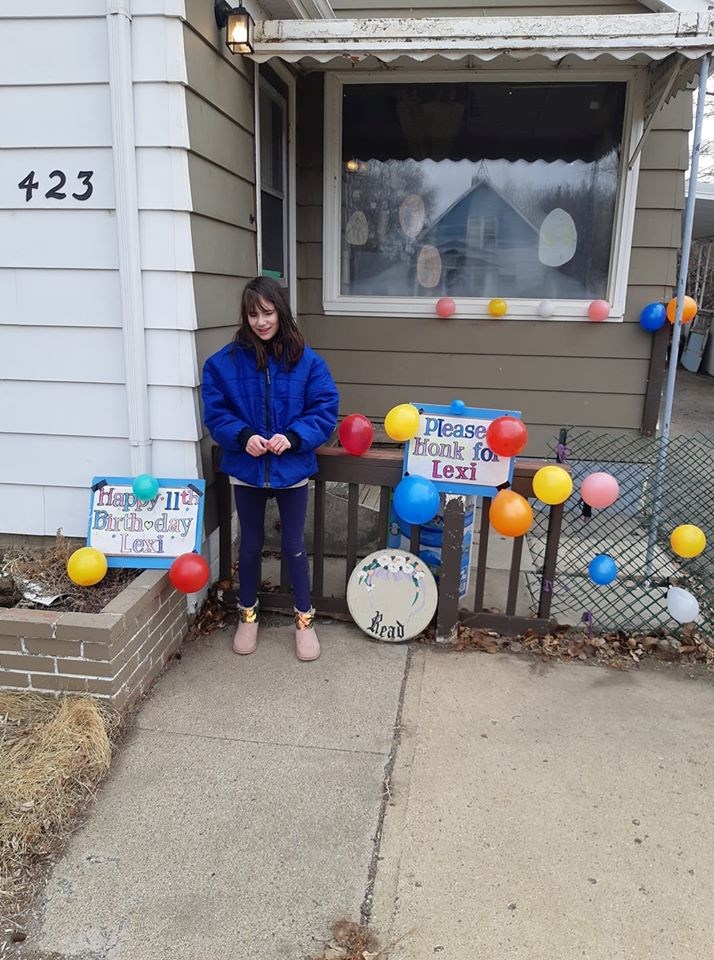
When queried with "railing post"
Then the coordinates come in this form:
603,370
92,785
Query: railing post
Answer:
224,506
447,614
550,560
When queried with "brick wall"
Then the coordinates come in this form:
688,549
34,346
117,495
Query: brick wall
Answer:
115,654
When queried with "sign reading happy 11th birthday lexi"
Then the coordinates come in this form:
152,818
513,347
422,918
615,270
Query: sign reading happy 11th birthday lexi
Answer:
451,450
145,533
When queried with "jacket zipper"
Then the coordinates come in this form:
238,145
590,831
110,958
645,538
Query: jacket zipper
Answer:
267,424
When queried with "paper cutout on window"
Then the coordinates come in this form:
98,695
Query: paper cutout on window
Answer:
357,229
412,215
429,266
558,239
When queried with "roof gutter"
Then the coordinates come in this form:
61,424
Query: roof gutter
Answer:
127,215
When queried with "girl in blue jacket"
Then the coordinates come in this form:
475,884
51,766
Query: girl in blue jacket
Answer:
269,401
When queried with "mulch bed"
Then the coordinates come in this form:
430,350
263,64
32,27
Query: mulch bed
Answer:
44,572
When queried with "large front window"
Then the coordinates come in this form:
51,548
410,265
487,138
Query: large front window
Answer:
479,190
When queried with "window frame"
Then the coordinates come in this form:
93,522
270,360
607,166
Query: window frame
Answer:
339,304
262,83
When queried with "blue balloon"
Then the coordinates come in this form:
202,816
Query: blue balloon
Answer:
145,487
653,316
602,569
416,500
458,408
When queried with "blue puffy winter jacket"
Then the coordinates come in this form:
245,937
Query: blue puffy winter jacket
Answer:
237,396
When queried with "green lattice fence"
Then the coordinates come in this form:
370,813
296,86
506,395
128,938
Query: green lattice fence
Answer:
636,601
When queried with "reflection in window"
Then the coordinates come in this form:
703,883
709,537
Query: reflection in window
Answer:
479,190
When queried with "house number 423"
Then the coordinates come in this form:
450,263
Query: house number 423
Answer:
29,185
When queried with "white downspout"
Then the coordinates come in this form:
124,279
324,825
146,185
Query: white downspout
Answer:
127,214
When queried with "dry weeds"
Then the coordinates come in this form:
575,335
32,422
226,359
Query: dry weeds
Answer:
53,755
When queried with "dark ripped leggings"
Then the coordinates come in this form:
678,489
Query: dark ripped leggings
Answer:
292,504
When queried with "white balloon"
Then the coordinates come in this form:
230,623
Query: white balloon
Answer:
546,308
682,605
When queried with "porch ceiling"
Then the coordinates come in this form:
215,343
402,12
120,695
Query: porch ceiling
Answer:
637,39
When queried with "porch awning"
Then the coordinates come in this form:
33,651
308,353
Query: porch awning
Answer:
638,39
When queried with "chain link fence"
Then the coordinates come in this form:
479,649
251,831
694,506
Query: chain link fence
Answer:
635,531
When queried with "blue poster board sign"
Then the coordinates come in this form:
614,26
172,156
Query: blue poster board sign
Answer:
451,450
145,533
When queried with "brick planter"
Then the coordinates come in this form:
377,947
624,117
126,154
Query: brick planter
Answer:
114,655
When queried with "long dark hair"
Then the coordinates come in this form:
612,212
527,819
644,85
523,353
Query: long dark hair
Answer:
288,344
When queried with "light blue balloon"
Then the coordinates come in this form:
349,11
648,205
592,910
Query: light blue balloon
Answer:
416,500
602,569
458,408
145,487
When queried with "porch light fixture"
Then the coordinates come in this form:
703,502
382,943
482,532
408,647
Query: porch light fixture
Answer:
239,26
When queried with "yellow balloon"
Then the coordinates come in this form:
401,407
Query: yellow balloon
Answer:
688,540
497,307
552,485
86,566
402,422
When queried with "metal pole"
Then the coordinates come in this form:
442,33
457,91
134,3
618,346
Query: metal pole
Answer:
677,328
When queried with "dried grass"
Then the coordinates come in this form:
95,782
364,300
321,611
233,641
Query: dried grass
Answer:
48,568
53,755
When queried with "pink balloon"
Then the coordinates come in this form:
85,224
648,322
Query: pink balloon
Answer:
599,310
600,490
445,307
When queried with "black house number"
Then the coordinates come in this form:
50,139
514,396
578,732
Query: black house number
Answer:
29,185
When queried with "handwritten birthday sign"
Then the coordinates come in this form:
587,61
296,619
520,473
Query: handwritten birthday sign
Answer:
451,450
145,533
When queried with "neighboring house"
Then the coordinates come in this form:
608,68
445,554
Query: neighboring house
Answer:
146,173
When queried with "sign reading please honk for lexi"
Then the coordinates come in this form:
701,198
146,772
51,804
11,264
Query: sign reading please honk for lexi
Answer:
145,533
451,449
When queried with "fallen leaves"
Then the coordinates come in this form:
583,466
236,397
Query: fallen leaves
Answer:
617,649
351,941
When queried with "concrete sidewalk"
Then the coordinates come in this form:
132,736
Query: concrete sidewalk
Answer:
528,811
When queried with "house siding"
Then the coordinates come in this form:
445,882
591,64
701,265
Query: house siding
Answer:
556,373
63,413
221,163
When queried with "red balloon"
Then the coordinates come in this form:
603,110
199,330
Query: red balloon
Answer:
507,436
445,307
356,434
189,573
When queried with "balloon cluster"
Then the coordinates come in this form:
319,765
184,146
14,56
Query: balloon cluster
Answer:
655,315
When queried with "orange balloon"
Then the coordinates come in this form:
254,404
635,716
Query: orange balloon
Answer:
689,310
510,514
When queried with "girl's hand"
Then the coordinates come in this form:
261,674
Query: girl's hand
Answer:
256,446
278,443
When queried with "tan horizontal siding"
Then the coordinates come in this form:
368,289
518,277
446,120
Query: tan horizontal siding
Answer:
219,139
545,407
466,338
484,371
220,81
222,195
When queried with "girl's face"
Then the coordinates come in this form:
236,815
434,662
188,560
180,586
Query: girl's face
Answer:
264,320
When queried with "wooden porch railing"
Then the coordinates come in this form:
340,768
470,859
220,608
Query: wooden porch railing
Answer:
383,468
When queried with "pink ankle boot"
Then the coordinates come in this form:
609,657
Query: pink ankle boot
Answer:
307,646
246,637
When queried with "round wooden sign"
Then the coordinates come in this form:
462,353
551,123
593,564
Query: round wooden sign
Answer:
391,595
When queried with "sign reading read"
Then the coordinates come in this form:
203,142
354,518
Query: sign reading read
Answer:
451,450
145,533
